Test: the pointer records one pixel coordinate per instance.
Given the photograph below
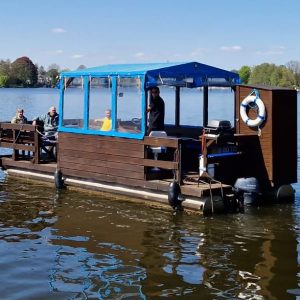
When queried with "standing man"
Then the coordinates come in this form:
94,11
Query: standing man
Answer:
156,111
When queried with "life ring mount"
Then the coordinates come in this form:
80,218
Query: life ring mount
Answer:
248,102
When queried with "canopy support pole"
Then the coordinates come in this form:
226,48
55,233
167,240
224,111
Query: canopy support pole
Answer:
177,106
205,106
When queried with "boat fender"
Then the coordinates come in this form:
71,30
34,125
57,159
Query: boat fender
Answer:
174,195
284,193
261,114
59,182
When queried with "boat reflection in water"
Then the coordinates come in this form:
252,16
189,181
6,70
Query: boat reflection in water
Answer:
71,245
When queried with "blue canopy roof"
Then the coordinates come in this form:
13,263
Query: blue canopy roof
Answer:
192,74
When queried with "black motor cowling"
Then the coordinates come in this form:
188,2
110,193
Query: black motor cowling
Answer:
247,189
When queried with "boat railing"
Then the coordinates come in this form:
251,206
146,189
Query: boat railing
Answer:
23,139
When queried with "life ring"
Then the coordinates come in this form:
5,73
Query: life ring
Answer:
261,111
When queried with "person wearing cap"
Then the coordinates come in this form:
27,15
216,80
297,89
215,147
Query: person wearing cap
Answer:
19,118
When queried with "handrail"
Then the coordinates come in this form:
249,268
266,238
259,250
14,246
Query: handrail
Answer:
24,137
171,142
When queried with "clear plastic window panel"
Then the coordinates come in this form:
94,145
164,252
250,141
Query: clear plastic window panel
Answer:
191,106
218,98
129,105
73,102
100,104
167,93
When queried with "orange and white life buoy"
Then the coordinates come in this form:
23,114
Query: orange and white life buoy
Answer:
261,115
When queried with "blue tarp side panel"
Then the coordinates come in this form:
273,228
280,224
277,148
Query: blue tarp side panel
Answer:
192,74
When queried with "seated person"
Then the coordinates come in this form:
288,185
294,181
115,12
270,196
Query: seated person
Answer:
106,125
19,118
50,122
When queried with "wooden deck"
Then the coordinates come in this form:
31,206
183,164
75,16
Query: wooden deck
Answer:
26,165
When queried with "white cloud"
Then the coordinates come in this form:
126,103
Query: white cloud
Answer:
139,55
76,56
58,30
231,48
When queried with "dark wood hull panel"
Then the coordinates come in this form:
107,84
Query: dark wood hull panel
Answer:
106,159
272,155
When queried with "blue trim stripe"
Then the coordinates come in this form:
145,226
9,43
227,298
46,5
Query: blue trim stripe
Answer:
261,117
138,136
223,154
244,105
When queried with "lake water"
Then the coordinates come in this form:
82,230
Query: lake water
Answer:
73,245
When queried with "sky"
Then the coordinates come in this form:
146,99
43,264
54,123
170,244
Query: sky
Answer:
225,34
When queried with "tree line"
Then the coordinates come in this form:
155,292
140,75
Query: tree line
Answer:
24,73
270,74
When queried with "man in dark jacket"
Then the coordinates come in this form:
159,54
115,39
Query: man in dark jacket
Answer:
156,111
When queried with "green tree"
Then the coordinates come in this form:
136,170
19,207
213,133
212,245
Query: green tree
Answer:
42,76
287,78
261,74
4,80
24,72
53,75
5,67
245,72
275,77
294,67
270,74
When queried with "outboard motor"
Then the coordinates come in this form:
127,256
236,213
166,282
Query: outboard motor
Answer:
221,128
247,190
174,195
